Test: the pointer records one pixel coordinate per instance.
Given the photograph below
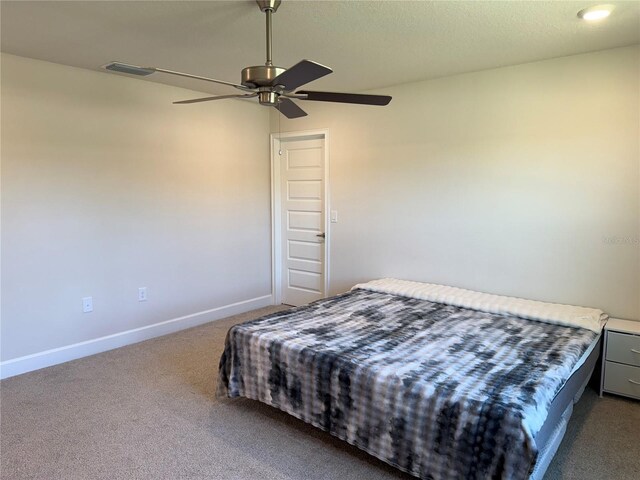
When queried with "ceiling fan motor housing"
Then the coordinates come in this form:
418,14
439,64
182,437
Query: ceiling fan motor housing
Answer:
260,75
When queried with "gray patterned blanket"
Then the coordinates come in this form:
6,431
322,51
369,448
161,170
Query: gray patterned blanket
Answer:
439,391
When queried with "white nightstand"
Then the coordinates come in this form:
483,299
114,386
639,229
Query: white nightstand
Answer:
621,358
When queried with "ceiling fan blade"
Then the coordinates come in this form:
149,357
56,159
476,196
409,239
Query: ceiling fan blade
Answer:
218,97
130,69
144,71
344,97
302,72
289,109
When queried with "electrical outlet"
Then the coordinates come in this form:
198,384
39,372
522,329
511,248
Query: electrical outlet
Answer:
87,304
142,294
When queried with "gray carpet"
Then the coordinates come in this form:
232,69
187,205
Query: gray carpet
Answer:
148,411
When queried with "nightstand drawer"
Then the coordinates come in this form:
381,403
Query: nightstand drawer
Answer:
620,378
622,348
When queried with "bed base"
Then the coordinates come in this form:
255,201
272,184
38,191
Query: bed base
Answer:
554,428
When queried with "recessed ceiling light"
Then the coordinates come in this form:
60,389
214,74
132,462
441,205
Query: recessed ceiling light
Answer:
595,13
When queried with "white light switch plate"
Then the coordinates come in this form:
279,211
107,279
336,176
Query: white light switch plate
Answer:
334,216
87,304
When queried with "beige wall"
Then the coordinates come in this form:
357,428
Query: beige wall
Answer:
506,181
107,187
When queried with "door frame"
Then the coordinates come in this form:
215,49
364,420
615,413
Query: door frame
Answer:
276,208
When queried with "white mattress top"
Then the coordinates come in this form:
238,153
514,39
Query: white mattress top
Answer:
568,315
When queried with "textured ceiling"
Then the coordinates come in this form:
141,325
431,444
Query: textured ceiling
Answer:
369,44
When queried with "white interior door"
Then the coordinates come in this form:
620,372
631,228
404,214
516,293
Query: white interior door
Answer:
301,193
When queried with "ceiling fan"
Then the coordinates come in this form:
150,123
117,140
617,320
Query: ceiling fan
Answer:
273,86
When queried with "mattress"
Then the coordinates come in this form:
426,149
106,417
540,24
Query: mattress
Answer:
562,405
438,390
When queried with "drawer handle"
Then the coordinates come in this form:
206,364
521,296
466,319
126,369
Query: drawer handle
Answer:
633,381
635,351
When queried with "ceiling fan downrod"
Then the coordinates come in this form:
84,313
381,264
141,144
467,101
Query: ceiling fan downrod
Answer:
261,76
269,7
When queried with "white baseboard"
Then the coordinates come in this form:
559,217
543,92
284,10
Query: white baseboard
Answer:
28,363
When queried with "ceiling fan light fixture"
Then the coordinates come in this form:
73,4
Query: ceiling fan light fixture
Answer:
595,13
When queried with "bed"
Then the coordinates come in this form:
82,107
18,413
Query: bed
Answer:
440,382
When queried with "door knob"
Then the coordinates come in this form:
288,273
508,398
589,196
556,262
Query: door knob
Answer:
321,235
